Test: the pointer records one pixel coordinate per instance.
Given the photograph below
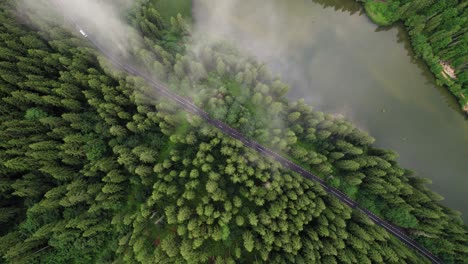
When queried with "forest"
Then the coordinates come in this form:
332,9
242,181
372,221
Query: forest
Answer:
438,30
97,168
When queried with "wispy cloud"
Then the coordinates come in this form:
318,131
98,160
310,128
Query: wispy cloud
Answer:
104,20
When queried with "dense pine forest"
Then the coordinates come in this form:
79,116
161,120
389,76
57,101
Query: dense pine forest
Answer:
438,30
95,167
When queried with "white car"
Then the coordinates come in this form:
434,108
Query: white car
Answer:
83,33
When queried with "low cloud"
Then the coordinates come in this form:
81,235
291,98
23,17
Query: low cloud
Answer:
104,20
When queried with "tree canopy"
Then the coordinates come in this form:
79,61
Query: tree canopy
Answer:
95,167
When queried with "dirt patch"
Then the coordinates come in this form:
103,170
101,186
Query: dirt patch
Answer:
465,108
448,71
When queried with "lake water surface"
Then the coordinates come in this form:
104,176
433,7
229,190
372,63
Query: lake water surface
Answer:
340,62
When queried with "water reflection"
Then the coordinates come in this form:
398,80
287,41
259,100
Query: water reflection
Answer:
339,5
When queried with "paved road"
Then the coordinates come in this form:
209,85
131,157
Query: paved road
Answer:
192,108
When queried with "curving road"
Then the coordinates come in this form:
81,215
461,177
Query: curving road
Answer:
192,108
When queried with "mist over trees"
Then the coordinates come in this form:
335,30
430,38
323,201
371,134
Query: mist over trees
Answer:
95,167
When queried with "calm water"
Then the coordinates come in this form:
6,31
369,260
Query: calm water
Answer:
340,62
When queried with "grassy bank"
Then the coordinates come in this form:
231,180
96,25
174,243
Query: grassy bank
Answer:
379,13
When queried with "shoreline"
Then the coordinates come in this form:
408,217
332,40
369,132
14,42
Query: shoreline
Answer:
442,70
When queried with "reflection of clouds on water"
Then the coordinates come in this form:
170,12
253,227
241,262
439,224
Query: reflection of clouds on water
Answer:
266,29
340,33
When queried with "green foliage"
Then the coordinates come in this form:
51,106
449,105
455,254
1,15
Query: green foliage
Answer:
94,169
349,165
381,12
171,8
34,113
402,217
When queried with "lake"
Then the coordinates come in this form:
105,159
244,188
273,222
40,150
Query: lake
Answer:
335,58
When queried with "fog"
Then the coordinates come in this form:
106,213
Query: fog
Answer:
289,38
336,61
340,62
104,20
258,28
215,20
